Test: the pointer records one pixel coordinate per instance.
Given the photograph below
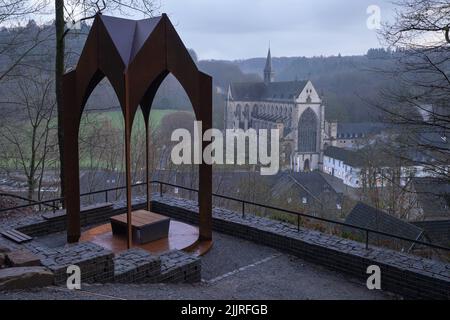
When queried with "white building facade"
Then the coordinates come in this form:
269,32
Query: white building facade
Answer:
348,166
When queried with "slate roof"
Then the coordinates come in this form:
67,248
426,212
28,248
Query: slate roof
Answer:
260,91
349,157
433,195
365,216
437,231
360,129
435,139
306,184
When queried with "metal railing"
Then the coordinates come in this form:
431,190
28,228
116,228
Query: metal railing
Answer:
299,215
31,202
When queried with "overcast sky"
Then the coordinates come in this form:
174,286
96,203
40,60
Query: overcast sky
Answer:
237,29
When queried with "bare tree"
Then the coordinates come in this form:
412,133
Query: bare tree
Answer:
419,103
27,129
19,43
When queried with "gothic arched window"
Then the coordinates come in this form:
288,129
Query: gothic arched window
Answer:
307,131
238,111
255,110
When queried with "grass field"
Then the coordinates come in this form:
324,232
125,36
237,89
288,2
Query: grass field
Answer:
117,120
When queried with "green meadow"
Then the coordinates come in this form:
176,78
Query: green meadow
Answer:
117,120
114,117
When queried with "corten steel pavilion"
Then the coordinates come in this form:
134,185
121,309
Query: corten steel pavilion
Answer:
135,56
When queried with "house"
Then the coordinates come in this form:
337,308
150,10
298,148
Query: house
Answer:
356,135
343,164
354,167
310,192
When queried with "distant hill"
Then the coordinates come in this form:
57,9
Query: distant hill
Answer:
346,83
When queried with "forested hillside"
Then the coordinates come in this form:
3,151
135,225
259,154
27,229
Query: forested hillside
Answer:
347,83
350,85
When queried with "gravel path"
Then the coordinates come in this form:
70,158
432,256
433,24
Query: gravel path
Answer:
233,269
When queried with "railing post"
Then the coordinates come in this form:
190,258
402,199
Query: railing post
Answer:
160,190
243,209
106,195
298,223
367,239
54,206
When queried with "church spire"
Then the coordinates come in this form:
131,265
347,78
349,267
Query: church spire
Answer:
268,72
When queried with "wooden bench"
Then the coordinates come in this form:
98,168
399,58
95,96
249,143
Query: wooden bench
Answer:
146,226
16,236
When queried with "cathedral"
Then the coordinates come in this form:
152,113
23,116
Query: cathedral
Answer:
294,107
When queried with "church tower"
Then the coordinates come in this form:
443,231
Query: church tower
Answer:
268,73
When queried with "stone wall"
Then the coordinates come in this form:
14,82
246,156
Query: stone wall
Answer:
178,266
95,262
51,222
405,274
136,265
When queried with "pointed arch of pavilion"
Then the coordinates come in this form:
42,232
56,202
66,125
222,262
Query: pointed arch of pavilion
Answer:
135,56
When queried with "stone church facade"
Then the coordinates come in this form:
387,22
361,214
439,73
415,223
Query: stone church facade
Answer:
294,107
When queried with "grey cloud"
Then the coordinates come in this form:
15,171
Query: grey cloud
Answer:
235,29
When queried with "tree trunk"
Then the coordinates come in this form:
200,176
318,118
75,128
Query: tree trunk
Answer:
31,186
59,72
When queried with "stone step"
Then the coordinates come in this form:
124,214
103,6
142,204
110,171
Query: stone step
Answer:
25,278
22,258
4,249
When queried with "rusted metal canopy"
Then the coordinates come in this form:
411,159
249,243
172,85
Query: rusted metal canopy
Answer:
135,56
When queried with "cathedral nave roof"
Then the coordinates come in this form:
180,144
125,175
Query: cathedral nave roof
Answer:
260,91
